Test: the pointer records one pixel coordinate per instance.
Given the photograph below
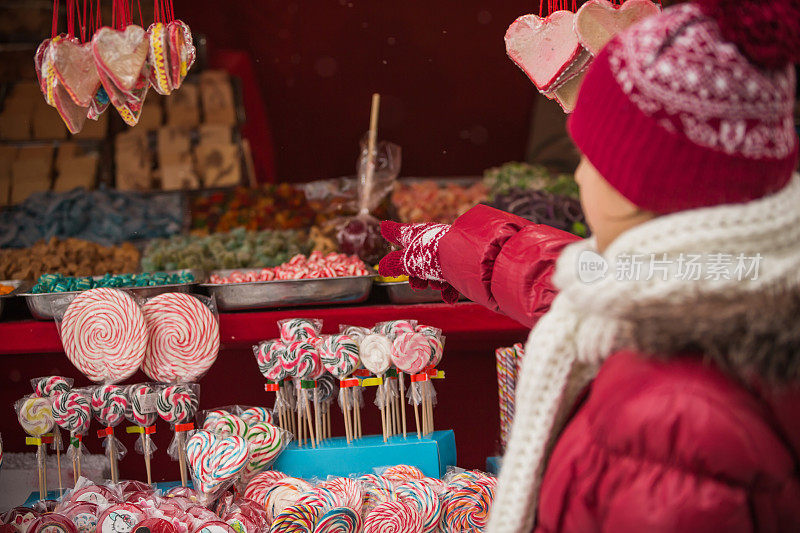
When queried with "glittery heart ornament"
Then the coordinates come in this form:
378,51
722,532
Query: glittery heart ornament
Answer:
75,67
159,58
598,21
121,56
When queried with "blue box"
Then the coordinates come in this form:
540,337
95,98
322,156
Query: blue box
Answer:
494,464
334,457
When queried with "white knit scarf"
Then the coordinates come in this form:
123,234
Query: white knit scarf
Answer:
587,321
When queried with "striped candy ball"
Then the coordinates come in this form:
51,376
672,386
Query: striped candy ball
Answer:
184,337
104,334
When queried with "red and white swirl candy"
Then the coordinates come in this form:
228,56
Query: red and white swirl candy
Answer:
393,517
51,386
339,355
304,360
420,495
299,329
411,352
177,403
72,412
184,337
109,404
349,492
104,334
139,398
258,487
393,328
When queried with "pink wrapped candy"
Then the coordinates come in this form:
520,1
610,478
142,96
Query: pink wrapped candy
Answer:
412,352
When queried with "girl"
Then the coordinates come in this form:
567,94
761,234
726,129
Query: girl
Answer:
660,387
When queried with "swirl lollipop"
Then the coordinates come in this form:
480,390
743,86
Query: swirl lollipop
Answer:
51,386
104,334
393,328
36,417
266,443
266,357
377,489
109,404
228,424
298,329
339,520
177,404
426,501
72,412
251,415
339,355
376,353
184,337
258,487
394,517
298,518
468,508
411,352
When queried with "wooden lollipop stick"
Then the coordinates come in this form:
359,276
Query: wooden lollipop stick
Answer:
182,457
42,466
396,399
308,419
416,420
403,403
357,406
382,393
74,460
320,436
346,414
147,459
57,442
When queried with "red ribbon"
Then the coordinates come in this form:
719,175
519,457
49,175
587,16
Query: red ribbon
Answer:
149,430
180,428
47,440
105,432
271,387
347,383
417,378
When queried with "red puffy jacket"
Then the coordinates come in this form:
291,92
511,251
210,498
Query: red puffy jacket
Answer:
657,445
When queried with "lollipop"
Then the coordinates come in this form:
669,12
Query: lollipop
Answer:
355,332
411,352
296,518
35,416
215,459
298,329
437,345
394,517
468,508
376,353
52,522
300,360
276,371
327,386
109,404
177,403
401,473
104,334
339,520
282,494
258,486
72,412
339,355
349,491
83,515
426,501
266,443
228,424
51,386
211,418
251,415
377,489
266,357
184,337
119,517
393,328
319,497
138,411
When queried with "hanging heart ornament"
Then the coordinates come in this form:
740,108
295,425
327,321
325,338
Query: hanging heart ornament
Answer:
121,55
181,52
75,67
598,21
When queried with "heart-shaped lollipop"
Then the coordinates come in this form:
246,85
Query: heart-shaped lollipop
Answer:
598,21
121,55
129,105
159,58
75,67
181,51
215,459
73,115
544,48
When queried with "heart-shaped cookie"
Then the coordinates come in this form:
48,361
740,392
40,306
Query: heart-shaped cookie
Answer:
121,55
43,64
181,52
73,115
99,104
215,459
159,58
598,21
543,47
75,67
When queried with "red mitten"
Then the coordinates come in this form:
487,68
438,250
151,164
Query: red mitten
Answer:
419,258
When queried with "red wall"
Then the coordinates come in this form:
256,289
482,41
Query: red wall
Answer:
451,97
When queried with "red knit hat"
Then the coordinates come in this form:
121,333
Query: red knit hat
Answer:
694,107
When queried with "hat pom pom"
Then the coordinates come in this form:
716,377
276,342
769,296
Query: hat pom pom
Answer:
767,32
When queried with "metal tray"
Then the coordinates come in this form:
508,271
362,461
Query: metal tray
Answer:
40,305
287,293
19,286
400,292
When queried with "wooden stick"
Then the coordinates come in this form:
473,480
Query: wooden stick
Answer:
320,436
403,403
301,428
75,454
182,457
345,414
308,419
57,441
112,447
416,419
396,399
357,407
147,458
328,417
78,453
382,393
42,466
